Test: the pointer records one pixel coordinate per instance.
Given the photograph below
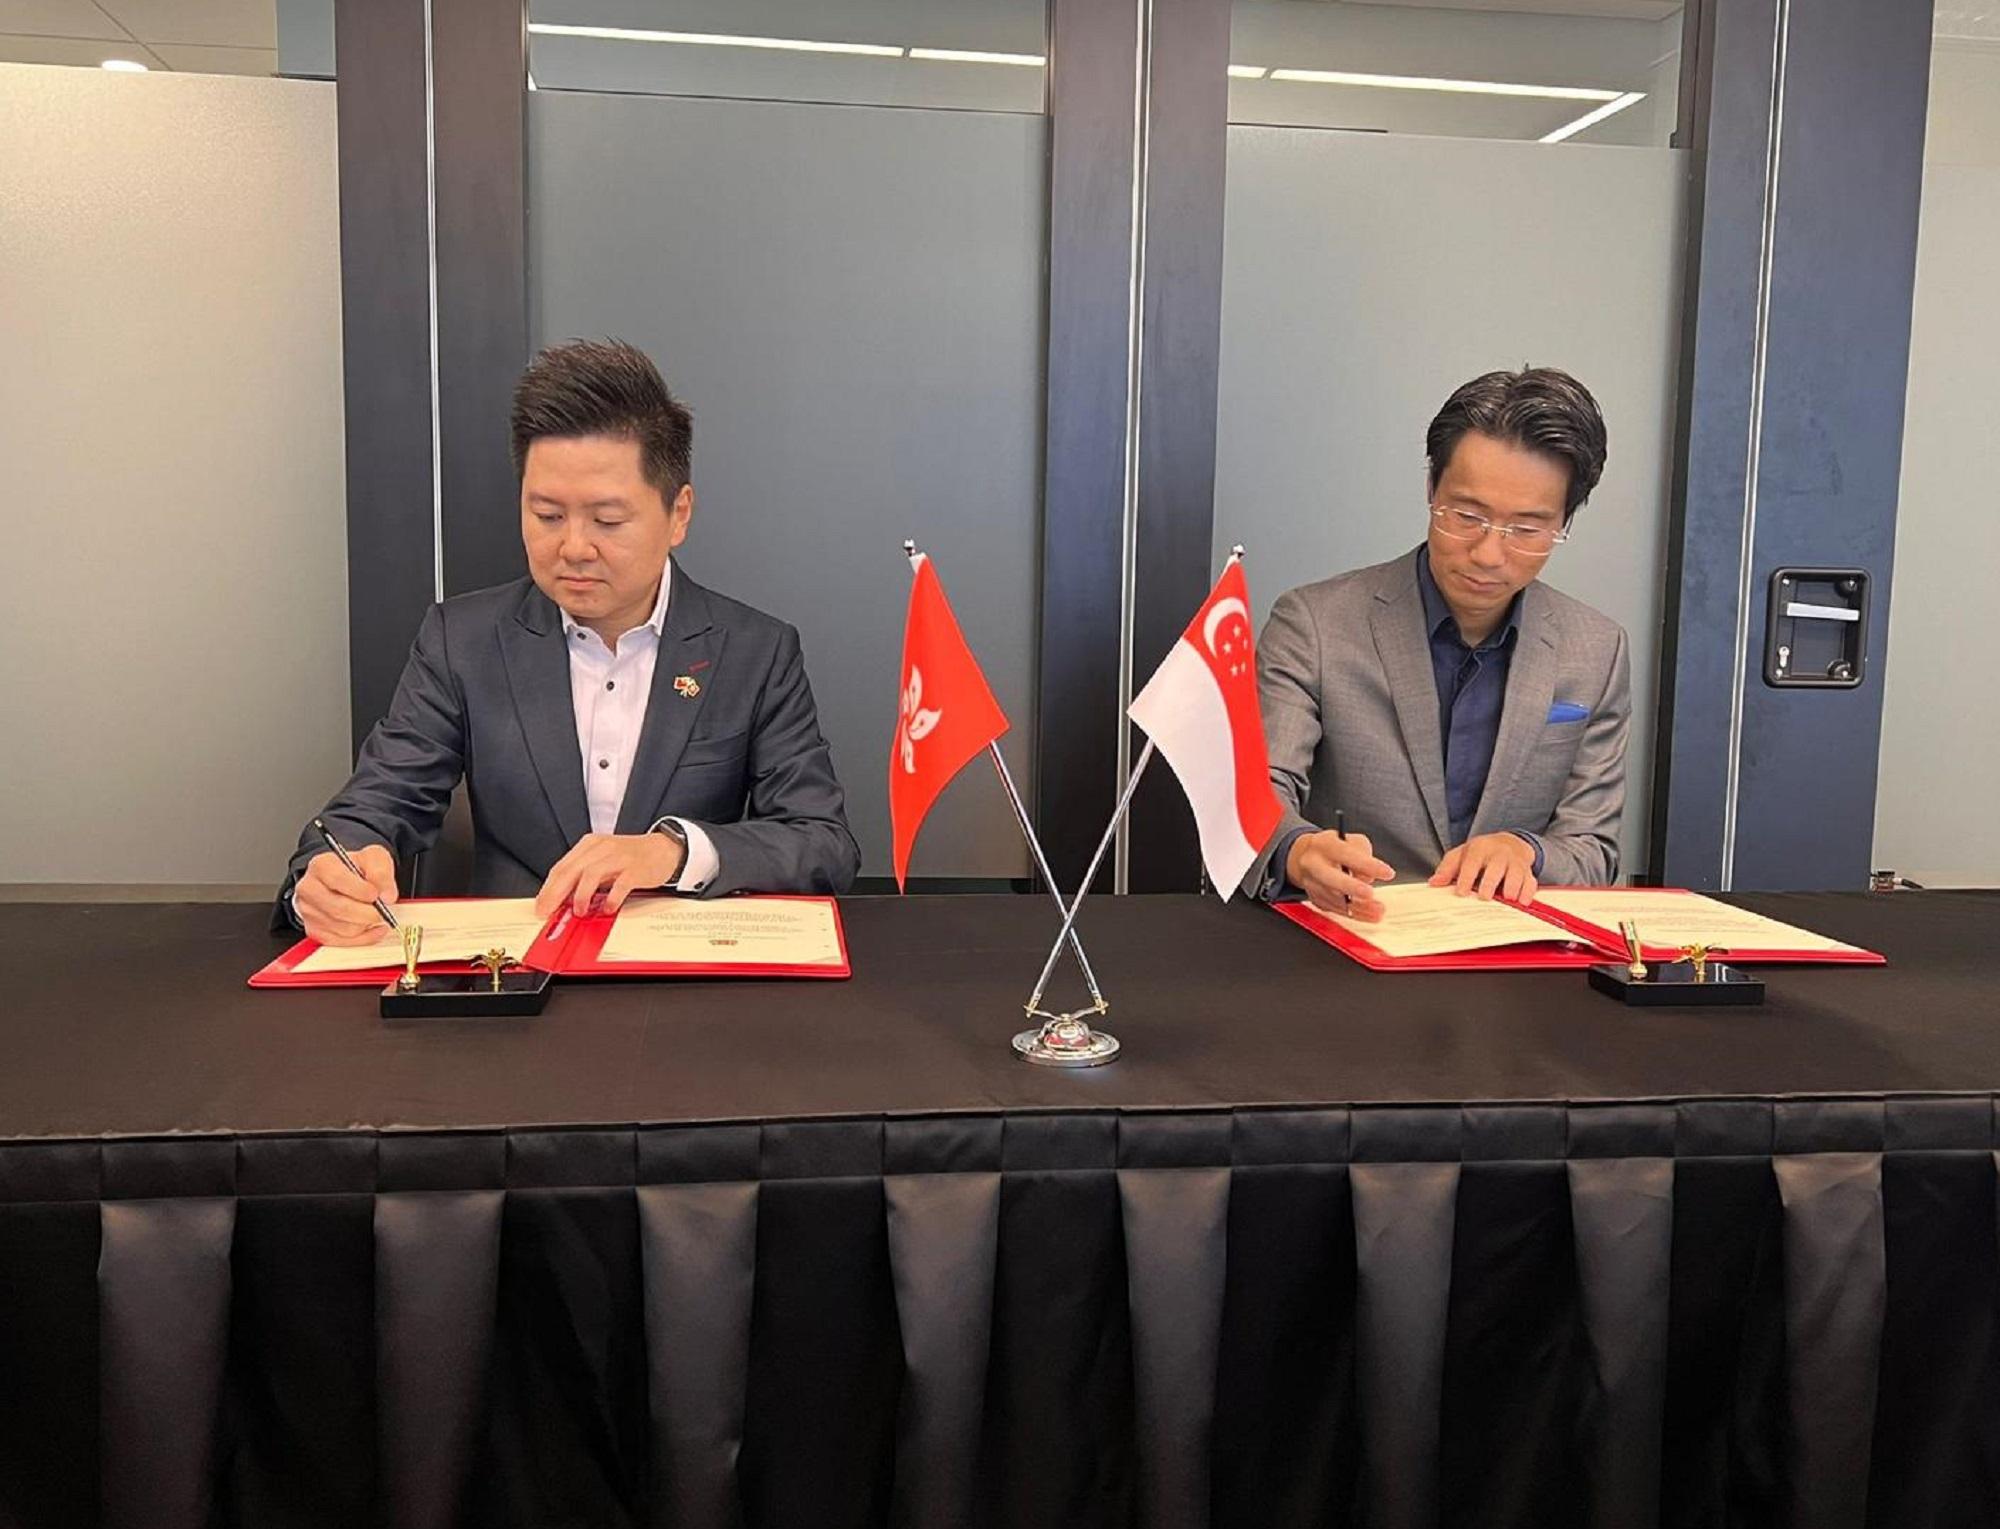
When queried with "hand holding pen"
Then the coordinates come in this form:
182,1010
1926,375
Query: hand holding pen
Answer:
343,898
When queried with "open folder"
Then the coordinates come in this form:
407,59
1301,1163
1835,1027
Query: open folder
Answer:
1428,928
651,936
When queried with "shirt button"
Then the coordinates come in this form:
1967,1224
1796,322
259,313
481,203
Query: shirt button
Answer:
611,684
603,764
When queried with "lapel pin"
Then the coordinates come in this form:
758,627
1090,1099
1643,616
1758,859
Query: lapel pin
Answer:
687,685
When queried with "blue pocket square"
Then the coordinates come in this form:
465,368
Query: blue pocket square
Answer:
1567,711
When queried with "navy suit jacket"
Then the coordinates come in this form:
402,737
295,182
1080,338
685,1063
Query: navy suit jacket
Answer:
486,697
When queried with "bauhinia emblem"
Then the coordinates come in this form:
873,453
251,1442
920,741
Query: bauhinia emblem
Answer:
915,723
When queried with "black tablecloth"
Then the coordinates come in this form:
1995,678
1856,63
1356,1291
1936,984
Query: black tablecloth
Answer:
1324,1247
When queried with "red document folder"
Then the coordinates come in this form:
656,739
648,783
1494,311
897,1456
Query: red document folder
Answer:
1573,943
568,946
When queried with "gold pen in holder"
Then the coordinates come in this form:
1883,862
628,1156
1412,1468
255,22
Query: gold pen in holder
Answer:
1636,967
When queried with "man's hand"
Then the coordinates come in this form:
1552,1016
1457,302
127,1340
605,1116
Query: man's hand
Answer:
621,863
1490,863
338,907
1338,875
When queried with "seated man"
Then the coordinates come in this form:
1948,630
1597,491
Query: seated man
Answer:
1469,721
617,725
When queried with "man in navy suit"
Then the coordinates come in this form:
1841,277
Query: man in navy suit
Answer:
617,725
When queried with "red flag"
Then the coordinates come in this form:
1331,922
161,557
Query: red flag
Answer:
1200,709
946,712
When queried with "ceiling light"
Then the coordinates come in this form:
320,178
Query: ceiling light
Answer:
1592,118
1466,87
715,40
123,66
966,56
1247,71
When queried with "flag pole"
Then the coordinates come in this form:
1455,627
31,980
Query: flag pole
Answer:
1110,830
1097,859
1066,1039
1049,876
1034,844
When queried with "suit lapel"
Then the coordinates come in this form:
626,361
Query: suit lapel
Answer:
1396,621
1531,685
537,663
691,645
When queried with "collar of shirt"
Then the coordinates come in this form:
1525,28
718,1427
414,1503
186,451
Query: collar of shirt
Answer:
1438,617
656,623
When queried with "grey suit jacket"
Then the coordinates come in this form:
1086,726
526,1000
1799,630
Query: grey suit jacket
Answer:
486,696
1351,718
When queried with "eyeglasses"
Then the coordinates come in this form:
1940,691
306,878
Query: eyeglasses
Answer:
1470,526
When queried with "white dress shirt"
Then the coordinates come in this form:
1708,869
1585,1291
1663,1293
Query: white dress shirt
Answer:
608,692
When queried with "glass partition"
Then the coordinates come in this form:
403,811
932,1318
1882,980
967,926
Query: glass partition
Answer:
1366,276
1605,73
851,299
973,55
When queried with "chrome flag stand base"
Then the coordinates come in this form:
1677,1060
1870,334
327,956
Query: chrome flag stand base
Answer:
1067,1040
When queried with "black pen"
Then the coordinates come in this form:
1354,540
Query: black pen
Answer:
319,827
1340,822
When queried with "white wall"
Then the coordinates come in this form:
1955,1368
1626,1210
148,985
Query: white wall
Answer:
173,638
1937,805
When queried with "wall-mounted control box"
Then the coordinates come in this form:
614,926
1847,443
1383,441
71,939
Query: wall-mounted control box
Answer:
1816,628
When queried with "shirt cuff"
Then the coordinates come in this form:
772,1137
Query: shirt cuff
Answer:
1533,844
701,863
1277,886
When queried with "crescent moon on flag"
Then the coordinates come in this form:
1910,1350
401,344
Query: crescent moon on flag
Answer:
1218,615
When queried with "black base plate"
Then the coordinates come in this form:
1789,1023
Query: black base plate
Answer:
462,995
1671,985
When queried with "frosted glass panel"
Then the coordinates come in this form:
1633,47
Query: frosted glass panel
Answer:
1366,277
851,301
1936,818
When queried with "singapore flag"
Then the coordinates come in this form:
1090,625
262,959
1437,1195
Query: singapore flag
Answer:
1200,709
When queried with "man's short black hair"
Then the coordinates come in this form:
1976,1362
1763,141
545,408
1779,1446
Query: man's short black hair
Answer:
1537,407
604,387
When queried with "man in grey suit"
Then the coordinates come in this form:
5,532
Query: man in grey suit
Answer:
617,725
1467,719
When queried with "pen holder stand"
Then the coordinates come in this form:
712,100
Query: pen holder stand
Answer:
1673,985
467,995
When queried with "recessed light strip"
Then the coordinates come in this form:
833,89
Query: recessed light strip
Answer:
1592,118
1613,100
973,56
1457,87
716,40
124,66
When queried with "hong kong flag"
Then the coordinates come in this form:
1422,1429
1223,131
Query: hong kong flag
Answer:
1200,709
946,713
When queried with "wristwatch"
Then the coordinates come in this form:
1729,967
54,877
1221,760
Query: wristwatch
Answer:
678,834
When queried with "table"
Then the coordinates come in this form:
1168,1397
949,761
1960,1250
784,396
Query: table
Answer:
1324,1246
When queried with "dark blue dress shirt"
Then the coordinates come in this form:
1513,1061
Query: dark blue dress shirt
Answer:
1471,689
